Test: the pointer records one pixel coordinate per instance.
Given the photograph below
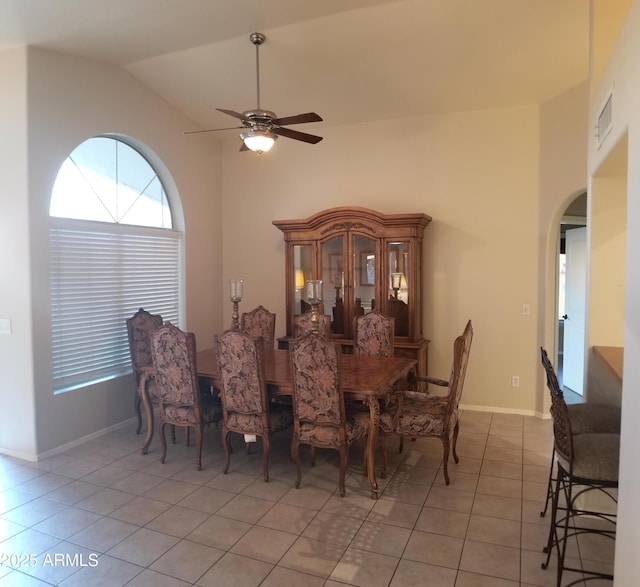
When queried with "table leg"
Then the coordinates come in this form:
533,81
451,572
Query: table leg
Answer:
372,443
143,390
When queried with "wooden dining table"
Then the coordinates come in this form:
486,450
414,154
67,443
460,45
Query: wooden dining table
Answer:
365,379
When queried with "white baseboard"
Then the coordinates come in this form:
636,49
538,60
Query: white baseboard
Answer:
34,458
499,410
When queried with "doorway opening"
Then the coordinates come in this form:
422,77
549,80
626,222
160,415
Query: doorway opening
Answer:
571,295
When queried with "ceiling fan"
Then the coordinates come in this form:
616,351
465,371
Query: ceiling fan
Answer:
262,127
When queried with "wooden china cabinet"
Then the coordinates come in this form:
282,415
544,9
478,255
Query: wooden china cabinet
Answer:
365,260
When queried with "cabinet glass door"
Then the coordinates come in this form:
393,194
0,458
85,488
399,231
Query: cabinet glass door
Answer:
365,274
333,282
302,272
398,285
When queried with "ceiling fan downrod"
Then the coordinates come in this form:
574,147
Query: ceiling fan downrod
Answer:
257,39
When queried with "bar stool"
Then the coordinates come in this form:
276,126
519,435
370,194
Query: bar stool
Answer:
585,418
585,463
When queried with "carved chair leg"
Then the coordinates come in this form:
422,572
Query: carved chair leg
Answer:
198,428
344,457
227,449
149,411
295,454
137,400
163,441
455,442
266,447
445,458
150,426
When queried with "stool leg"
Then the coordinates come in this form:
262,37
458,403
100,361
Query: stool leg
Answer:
553,537
543,513
561,543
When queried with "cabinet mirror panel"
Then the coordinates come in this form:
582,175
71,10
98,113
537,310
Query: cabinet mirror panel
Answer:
365,275
398,285
302,272
333,278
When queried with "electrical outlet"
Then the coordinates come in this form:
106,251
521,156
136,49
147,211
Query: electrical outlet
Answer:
515,381
5,326
526,309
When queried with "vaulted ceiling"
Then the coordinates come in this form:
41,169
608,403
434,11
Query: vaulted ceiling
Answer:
350,61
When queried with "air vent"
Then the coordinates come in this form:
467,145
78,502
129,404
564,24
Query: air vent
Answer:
605,119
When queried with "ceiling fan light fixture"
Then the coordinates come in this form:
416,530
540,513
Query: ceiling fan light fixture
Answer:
259,141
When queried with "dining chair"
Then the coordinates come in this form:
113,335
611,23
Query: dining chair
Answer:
246,408
419,414
302,325
140,327
320,417
587,464
586,418
373,334
373,337
180,402
259,323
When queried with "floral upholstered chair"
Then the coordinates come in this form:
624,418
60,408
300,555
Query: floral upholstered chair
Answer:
373,334
422,414
259,323
245,402
140,327
373,337
320,418
302,325
179,399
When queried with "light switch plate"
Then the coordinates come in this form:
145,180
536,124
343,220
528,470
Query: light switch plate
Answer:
5,326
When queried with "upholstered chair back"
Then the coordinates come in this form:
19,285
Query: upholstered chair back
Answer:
302,325
259,323
374,334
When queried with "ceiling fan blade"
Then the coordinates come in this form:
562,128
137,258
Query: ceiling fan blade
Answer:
193,132
232,113
297,135
244,147
298,119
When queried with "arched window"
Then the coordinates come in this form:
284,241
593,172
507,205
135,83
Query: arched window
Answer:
113,250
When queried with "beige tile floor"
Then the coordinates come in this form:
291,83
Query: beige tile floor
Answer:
102,514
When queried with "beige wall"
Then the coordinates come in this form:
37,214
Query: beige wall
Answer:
17,418
563,175
61,101
607,19
608,261
622,73
475,173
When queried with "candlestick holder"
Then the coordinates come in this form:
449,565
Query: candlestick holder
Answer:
235,295
396,281
314,296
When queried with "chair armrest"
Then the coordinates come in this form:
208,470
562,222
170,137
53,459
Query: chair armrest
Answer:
416,386
434,380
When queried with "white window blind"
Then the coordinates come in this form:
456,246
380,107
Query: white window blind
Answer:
100,276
